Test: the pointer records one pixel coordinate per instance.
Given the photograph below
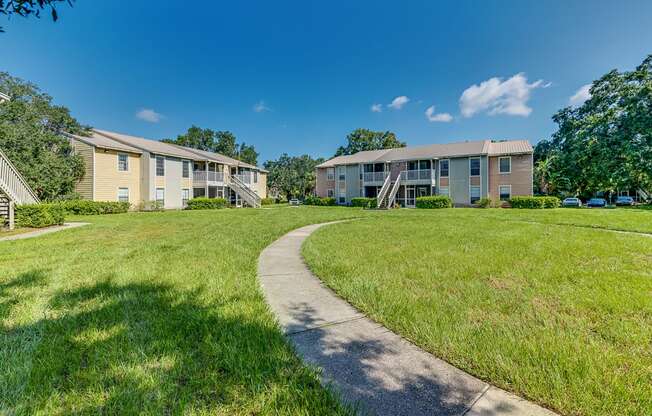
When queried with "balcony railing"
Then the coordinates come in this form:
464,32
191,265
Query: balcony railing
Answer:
245,178
374,176
416,175
204,176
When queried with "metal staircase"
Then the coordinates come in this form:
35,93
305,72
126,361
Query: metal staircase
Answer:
391,198
244,192
387,194
380,199
14,190
645,196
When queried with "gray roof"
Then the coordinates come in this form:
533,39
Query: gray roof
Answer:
218,157
103,142
433,151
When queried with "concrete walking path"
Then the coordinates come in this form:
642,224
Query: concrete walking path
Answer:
370,366
42,231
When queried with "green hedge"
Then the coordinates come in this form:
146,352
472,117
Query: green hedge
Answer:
207,203
364,202
534,202
86,207
484,202
267,201
315,200
39,215
437,201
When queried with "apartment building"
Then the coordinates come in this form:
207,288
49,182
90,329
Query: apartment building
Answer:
464,171
133,169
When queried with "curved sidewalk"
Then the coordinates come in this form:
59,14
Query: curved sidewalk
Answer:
370,366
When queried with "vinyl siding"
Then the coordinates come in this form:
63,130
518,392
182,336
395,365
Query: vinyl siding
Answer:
520,177
323,184
108,178
459,180
85,186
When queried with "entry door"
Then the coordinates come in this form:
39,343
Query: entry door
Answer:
410,201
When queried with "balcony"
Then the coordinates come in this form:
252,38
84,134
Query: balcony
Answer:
417,175
202,176
374,176
245,177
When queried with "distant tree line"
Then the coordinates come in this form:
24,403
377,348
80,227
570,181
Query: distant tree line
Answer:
223,142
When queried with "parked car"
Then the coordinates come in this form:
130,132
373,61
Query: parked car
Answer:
597,203
572,202
294,201
624,201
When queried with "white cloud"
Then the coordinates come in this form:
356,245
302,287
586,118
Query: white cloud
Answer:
580,96
376,108
496,96
261,107
149,115
441,117
398,102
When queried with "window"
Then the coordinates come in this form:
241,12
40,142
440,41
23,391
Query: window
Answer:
474,166
475,194
443,169
185,196
443,190
505,164
412,165
123,162
160,166
330,193
424,164
330,174
160,196
341,172
185,171
123,194
505,192
255,176
342,200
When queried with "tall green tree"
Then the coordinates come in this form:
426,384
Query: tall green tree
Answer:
26,8
247,154
606,143
31,134
364,139
197,138
226,144
292,176
223,142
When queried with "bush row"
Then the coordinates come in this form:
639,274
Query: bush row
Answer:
267,201
534,202
85,207
364,202
315,200
437,201
207,203
39,215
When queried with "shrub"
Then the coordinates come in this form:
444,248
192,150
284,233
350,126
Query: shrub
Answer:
534,202
267,201
86,207
207,203
39,215
484,202
364,202
437,201
315,200
150,206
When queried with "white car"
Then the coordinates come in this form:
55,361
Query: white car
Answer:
294,202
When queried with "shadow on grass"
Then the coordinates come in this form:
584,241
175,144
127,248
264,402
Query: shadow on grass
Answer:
148,348
371,371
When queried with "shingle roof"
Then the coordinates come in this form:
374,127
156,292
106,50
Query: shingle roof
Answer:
221,158
433,151
104,142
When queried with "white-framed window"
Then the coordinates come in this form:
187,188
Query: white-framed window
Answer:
443,190
505,192
443,168
330,174
330,193
255,176
185,196
505,164
341,173
474,193
123,194
185,169
123,162
160,196
160,166
474,166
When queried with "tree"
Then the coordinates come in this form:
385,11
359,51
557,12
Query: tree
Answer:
31,134
197,138
226,144
292,176
364,139
223,142
248,154
26,8
606,143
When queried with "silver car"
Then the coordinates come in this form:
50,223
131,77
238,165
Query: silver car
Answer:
572,202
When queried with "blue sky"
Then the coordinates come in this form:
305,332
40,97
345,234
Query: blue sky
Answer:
298,76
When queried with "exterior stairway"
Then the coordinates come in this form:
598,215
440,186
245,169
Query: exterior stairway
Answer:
244,192
14,190
387,195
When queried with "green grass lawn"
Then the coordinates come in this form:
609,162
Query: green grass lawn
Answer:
151,313
560,314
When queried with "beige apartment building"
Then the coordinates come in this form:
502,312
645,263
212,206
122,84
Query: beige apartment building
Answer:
133,169
465,171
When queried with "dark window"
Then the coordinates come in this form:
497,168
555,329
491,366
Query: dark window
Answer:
424,164
255,176
368,167
160,166
505,192
475,166
443,168
342,200
505,164
412,165
379,167
475,194
123,162
186,169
